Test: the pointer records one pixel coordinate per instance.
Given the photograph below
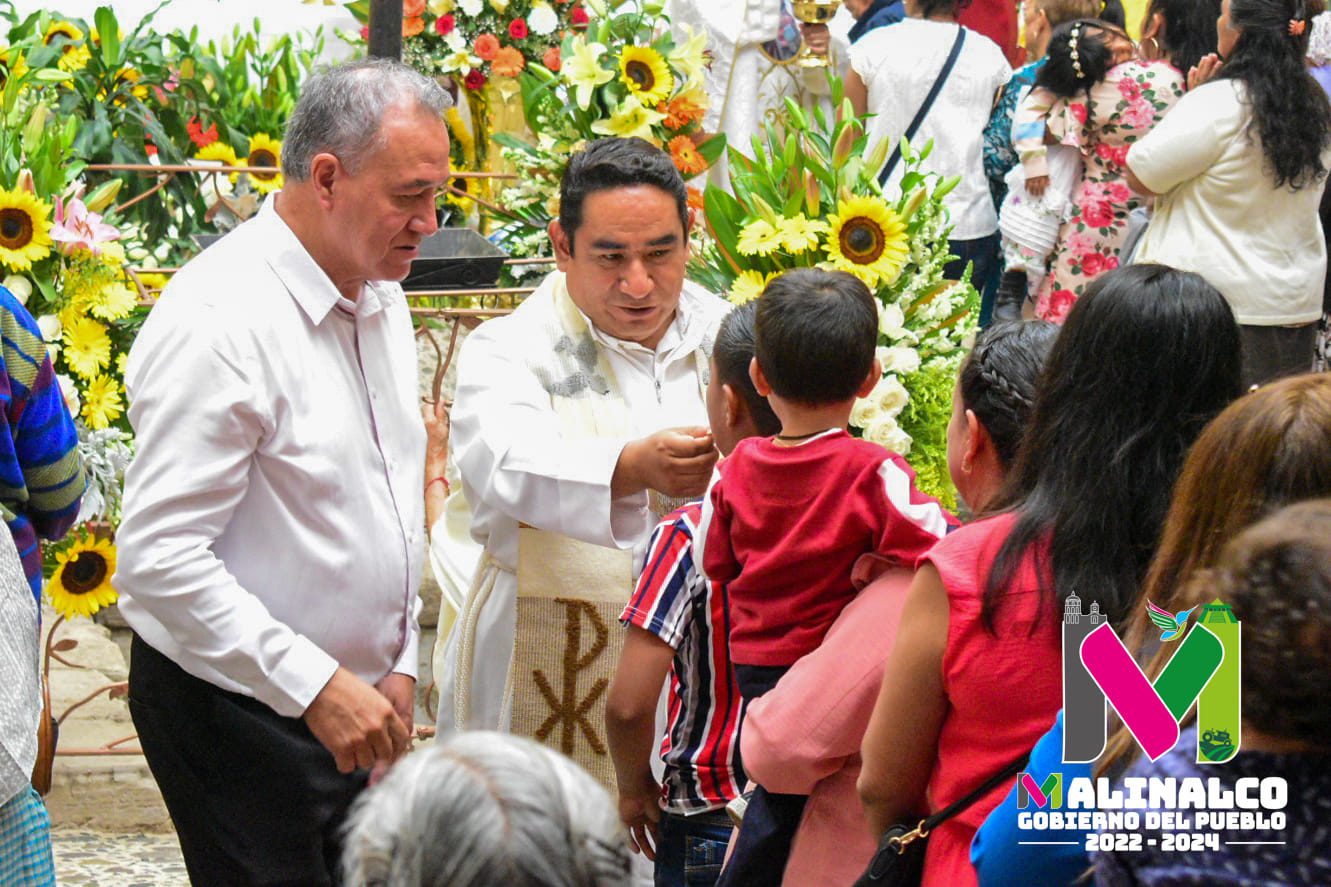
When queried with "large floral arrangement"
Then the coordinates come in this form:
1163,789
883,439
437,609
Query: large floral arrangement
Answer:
812,199
67,264
626,75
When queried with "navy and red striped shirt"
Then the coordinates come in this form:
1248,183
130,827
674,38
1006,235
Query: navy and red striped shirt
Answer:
673,601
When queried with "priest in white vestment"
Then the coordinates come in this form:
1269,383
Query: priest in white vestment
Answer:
578,419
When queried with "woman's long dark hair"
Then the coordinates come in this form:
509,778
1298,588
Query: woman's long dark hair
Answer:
1189,30
1146,358
1290,113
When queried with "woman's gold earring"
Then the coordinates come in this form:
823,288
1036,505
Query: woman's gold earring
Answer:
1153,54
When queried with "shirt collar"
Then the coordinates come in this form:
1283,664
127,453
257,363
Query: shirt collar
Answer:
309,285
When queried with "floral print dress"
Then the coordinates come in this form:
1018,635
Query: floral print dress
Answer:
1102,123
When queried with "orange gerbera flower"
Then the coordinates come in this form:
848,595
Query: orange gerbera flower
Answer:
413,8
412,26
681,111
695,201
508,62
487,47
685,154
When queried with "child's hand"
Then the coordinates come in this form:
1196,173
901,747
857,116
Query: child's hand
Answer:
1037,185
1204,70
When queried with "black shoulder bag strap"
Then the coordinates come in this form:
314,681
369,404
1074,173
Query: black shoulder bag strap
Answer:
924,108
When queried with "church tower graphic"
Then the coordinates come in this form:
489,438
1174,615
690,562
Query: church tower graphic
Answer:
1083,703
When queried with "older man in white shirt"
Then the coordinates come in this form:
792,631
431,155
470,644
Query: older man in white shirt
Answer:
271,545
577,420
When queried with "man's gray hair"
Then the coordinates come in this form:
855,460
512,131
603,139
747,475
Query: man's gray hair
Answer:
481,809
341,112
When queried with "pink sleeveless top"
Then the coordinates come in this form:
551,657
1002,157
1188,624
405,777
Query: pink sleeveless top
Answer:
1003,692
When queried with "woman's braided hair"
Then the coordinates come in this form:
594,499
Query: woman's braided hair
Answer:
999,376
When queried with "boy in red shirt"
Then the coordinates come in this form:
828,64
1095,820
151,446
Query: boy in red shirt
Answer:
793,513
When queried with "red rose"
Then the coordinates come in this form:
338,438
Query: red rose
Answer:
517,29
474,80
1097,214
365,33
1079,111
578,17
1059,304
552,59
1120,192
1092,264
445,24
1111,262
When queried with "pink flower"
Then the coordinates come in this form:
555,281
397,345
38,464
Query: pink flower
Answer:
1129,89
517,29
1137,115
445,24
77,228
1111,262
1080,243
1120,193
1078,110
1097,214
1057,306
1112,154
1092,264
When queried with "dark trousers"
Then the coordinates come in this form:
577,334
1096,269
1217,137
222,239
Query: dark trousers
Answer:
691,848
1273,352
254,797
986,262
762,847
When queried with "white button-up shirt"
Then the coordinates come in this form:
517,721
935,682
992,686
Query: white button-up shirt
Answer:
273,514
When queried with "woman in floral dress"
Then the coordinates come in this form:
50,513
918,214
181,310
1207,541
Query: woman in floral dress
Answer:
1103,122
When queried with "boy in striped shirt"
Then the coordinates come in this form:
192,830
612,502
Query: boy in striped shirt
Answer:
677,628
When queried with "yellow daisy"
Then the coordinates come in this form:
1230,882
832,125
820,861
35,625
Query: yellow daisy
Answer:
25,226
265,151
748,286
646,74
759,238
868,239
114,302
87,346
81,583
800,233
102,402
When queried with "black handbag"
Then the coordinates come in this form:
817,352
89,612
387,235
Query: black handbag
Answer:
899,859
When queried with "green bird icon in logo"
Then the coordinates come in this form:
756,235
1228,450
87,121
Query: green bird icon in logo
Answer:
1171,625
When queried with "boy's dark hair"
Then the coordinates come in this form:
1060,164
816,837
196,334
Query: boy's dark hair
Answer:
1065,76
617,163
1277,577
931,8
999,376
816,335
733,352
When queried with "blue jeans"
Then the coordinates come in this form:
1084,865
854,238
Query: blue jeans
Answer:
987,267
691,849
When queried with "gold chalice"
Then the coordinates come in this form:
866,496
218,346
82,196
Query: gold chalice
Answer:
814,12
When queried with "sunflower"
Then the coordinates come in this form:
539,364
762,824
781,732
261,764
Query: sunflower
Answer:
81,583
74,55
265,151
219,150
25,229
11,65
87,346
646,74
868,239
685,154
102,402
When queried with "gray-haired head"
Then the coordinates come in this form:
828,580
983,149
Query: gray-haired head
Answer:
482,809
341,112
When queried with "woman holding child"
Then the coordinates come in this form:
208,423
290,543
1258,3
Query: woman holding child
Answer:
1241,164
1145,359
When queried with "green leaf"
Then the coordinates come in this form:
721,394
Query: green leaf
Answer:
108,29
